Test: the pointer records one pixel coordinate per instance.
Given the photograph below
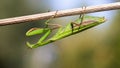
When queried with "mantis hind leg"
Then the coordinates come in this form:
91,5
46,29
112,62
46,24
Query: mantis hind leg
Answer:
82,16
72,25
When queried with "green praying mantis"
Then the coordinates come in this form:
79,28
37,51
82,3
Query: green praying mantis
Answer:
80,24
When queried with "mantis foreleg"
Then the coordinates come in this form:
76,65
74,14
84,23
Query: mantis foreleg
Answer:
46,31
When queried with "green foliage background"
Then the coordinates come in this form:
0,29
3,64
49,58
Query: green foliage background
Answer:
94,48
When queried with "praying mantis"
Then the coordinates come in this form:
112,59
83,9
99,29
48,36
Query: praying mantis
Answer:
80,24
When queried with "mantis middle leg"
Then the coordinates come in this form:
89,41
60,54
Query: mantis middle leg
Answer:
81,21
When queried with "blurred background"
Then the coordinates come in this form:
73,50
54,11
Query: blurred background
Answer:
98,47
